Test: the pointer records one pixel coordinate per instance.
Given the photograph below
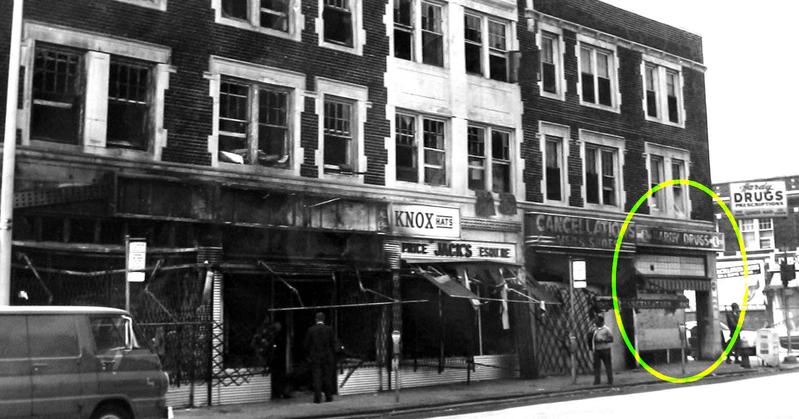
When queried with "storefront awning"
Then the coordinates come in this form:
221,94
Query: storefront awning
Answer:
645,301
677,284
447,284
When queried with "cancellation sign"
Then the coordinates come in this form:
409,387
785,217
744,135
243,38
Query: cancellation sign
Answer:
759,199
458,250
425,221
551,230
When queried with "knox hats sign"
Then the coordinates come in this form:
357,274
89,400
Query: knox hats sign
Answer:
758,199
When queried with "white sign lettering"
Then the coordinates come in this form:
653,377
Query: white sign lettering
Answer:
137,259
759,199
465,250
425,221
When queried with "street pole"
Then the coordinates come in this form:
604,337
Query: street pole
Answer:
572,337
9,154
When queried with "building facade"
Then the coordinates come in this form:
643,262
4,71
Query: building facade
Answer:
422,166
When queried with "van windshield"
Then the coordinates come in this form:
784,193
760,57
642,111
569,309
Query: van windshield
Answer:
113,333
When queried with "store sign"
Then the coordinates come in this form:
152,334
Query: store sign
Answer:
759,199
657,237
460,250
425,221
136,259
552,230
736,271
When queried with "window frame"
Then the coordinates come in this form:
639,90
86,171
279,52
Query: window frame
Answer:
756,232
596,46
417,31
96,53
258,76
486,49
151,4
294,19
489,160
662,69
549,131
558,47
358,96
668,157
603,142
419,119
358,33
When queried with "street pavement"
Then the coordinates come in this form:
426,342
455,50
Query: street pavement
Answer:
761,397
429,401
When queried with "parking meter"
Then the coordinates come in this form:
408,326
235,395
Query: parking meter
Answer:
572,343
395,338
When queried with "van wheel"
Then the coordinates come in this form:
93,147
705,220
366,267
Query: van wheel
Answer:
111,411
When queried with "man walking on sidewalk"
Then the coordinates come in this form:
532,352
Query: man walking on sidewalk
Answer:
601,338
320,346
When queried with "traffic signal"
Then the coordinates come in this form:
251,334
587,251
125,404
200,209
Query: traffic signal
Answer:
787,273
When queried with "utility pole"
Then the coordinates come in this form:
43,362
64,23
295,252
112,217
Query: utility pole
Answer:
9,155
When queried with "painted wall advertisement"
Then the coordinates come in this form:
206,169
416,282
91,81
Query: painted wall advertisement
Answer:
758,199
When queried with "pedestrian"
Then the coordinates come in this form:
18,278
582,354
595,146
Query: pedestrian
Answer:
270,346
601,338
732,322
320,347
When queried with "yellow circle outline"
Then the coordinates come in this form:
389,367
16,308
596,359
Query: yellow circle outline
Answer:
620,239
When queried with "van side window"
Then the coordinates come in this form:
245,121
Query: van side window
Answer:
109,333
13,339
53,336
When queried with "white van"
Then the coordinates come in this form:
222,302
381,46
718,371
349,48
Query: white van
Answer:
76,362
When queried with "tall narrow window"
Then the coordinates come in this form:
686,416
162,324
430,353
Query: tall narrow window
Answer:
657,201
596,75
500,161
233,122
403,29
601,178
766,233
57,95
678,172
128,104
497,51
275,14
608,178
435,172
554,154
337,18
407,159
273,132
477,158
591,176
432,35
651,91
749,233
338,133
672,81
235,8
473,44
549,46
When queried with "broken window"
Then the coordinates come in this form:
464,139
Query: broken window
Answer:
338,133
498,51
57,95
235,8
337,17
128,104
403,29
271,14
432,35
407,161
473,44
427,146
253,124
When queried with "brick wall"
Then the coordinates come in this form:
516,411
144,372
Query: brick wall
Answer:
188,28
630,123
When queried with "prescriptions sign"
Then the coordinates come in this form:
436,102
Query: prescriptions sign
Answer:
759,199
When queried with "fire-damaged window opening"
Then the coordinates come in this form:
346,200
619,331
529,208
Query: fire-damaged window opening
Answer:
57,94
253,124
338,133
492,49
271,14
129,104
428,146
489,159
338,22
418,26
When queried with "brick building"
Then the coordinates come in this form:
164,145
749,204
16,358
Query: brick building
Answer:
348,155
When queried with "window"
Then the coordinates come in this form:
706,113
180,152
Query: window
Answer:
430,36
757,233
551,79
602,179
338,22
52,336
338,133
271,14
420,153
554,140
253,124
597,65
128,104
153,4
492,49
668,163
57,94
14,339
111,333
489,158
663,91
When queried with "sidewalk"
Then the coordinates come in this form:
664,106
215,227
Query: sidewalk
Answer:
378,404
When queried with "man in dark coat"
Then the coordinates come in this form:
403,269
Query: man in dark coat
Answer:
320,346
270,346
